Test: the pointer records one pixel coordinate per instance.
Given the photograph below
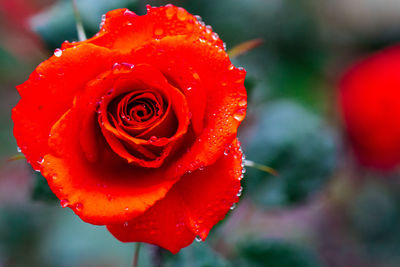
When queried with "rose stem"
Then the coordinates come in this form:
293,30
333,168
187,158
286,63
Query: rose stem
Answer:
136,254
78,20
252,164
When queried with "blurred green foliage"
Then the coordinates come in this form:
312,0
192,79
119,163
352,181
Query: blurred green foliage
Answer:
57,23
196,255
275,253
298,145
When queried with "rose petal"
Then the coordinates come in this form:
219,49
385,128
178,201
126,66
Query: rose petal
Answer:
222,86
123,30
49,93
108,191
192,206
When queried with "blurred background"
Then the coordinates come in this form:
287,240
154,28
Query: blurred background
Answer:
323,209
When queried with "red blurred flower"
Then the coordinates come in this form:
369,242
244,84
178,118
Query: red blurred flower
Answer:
136,127
370,102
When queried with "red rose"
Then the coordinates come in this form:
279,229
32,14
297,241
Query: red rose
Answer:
136,127
370,102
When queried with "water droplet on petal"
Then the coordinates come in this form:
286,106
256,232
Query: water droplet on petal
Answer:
189,88
130,13
41,160
79,206
126,208
226,151
64,203
239,193
181,14
170,11
126,224
240,114
233,206
198,239
58,52
19,150
242,102
153,138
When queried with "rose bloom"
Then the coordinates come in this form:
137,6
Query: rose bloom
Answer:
135,128
370,103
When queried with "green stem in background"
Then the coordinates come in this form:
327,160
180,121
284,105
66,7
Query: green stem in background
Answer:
136,255
78,20
252,164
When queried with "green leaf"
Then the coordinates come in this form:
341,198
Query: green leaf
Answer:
275,253
297,145
197,254
57,23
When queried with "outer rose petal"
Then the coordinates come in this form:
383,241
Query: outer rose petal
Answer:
369,94
49,93
123,30
192,207
110,192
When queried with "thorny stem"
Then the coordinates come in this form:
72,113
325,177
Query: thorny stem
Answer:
78,20
136,254
250,163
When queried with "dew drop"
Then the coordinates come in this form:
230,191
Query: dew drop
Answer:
240,114
126,224
243,170
242,102
233,206
215,36
239,193
226,151
231,67
181,14
58,52
126,208
198,18
79,206
153,138
129,13
103,20
19,150
41,160
198,239
64,203
189,88
170,11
